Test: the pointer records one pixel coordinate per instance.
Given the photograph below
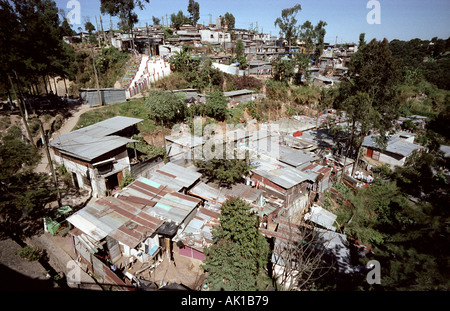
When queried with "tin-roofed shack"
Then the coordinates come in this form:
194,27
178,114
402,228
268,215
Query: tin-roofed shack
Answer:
397,150
96,156
132,229
107,96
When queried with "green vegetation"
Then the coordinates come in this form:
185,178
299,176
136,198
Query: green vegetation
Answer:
236,259
30,254
408,237
226,171
133,108
126,180
23,193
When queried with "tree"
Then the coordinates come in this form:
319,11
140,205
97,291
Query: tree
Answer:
179,19
362,40
320,32
239,253
31,44
287,24
283,70
228,19
216,106
302,62
226,171
124,9
307,35
184,63
165,107
89,27
156,20
23,193
369,94
66,30
240,57
194,11
301,253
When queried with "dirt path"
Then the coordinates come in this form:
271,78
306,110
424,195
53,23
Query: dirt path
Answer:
68,125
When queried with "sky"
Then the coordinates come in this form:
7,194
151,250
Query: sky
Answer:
346,19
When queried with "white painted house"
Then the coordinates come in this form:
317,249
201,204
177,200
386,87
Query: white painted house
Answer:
214,36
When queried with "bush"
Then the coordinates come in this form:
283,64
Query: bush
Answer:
126,180
30,254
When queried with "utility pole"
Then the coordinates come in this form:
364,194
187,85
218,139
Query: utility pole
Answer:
52,169
96,79
98,32
19,104
148,39
101,25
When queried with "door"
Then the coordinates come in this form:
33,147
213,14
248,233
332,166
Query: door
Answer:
119,177
75,180
114,249
369,152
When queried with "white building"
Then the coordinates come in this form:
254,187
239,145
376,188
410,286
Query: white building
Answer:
214,36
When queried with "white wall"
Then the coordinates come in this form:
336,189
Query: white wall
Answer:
391,161
217,36
97,184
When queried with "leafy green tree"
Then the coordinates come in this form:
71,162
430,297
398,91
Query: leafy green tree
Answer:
229,20
89,27
124,9
307,35
165,107
31,44
66,30
283,70
369,95
239,253
288,24
240,56
156,20
179,19
302,62
194,12
23,193
362,41
319,31
216,106
226,171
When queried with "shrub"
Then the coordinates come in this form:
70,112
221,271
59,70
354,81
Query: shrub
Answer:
30,254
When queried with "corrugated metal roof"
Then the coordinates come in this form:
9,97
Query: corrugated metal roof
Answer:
238,92
295,157
180,176
279,173
119,218
395,145
323,217
209,193
186,140
93,141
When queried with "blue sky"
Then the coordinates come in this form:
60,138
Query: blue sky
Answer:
346,19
